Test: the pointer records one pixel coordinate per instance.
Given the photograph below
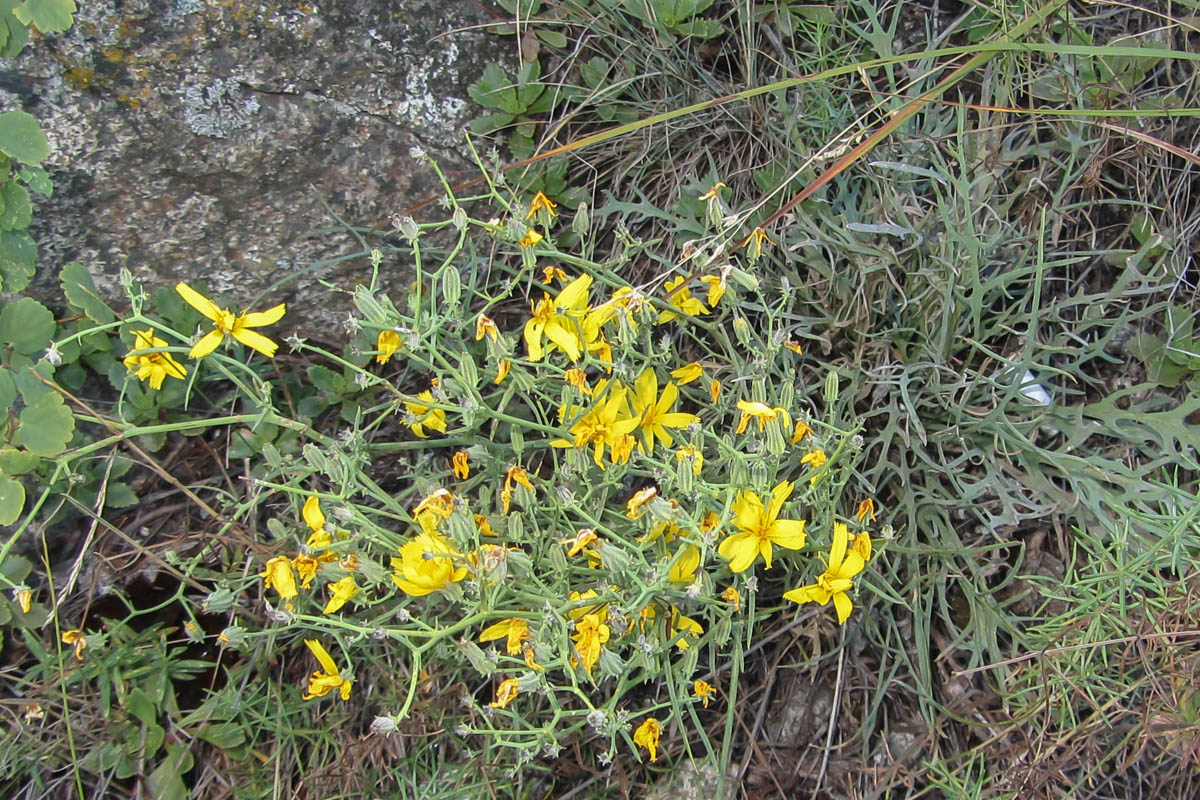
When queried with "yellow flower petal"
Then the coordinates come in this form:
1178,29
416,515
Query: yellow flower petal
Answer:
198,301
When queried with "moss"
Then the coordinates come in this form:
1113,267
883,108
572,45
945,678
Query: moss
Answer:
80,77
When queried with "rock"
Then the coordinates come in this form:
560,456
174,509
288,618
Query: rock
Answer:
200,139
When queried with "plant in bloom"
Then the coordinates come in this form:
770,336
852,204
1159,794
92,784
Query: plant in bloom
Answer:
559,319
647,736
685,566
836,581
731,596
760,529
485,326
762,412
423,416
655,416
426,564
278,575
704,691
506,692
387,343
680,297
514,631
866,509
328,678
340,592
815,459
516,476
226,324
636,506
462,465
590,635
717,285
688,372
152,367
607,424
800,431
696,457
755,241
77,640
539,202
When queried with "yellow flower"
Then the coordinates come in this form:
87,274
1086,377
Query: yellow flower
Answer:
647,736
550,273
559,320
485,326
387,343
24,597
688,372
711,194
423,416
709,521
584,538
636,506
426,564
815,459
835,582
439,502
322,683
462,466
515,631
539,202
225,323
704,691
278,575
152,367
760,529
590,635
655,416
78,642
716,287
695,455
313,516
755,241
340,592
601,610
761,412
607,424
530,653
484,525
866,509
306,567
506,692
681,298
731,596
801,430
502,371
685,566
686,625
794,346
578,379
516,475
861,544
531,238
714,389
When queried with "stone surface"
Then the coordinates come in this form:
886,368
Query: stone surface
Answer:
201,138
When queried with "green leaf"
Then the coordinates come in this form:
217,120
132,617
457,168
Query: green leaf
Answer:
326,379
29,379
17,34
38,180
8,388
16,568
50,16
141,706
224,735
21,137
80,289
18,255
18,210
553,39
166,782
495,90
46,426
12,500
17,462
490,123
27,325
119,495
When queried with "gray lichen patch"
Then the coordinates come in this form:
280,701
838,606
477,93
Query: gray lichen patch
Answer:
219,108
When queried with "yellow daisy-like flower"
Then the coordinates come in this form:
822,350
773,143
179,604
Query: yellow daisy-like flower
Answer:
340,592
77,640
278,575
704,691
531,238
680,297
559,319
486,326
577,378
324,681
685,566
439,502
152,367
225,323
762,412
687,373
424,416
506,692
861,544
387,343
655,415
306,567
426,564
760,529
590,635
815,459
647,736
539,202
462,464
514,631
836,581
583,538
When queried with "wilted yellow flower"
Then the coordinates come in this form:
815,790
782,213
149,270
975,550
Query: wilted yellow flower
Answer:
731,596
685,566
577,378
755,242
655,415
814,459
861,544
714,389
760,529
339,593
516,476
694,454
484,525
322,683
225,323
502,370
761,412
387,343
688,372
709,521
647,736
866,509
711,194
801,430
514,631
423,416
704,691
462,466
540,201
530,653
550,273
306,567
716,287
426,564
584,538
590,635
485,326
636,506
24,597
794,346
278,575
836,582
78,642
152,367
506,692
559,319
531,238
439,502
680,297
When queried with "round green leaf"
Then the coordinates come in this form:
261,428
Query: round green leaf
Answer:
21,137
18,210
27,325
46,426
12,500
81,292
